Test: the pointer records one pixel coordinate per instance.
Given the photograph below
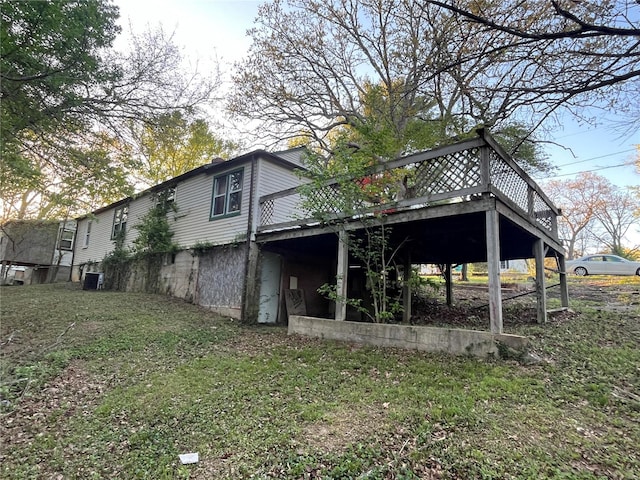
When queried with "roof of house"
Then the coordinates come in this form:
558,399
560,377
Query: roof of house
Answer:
216,165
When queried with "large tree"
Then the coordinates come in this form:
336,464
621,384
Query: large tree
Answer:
595,213
64,88
578,199
403,67
172,144
589,53
616,216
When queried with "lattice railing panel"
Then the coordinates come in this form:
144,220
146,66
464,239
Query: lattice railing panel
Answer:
508,181
543,213
448,173
266,212
448,177
322,199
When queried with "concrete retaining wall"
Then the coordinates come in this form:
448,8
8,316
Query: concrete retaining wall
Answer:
429,339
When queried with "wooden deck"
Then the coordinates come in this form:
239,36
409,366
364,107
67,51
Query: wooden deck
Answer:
462,203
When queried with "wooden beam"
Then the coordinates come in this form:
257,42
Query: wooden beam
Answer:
342,273
564,287
541,292
507,212
448,281
493,264
406,289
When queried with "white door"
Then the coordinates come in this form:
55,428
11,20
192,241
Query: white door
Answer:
269,288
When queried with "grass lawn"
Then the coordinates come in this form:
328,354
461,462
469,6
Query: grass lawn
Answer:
117,385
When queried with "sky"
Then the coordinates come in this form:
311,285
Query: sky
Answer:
216,29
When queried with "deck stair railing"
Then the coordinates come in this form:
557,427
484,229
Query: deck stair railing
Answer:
463,171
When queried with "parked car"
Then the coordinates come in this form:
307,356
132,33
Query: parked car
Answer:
603,265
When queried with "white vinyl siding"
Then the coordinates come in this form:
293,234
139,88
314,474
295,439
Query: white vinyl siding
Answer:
293,155
192,222
274,178
100,242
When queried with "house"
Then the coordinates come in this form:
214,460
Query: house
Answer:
37,251
247,244
216,206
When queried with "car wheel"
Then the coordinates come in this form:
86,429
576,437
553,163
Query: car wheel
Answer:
581,271
638,272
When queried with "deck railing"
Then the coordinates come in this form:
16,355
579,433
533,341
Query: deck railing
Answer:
454,173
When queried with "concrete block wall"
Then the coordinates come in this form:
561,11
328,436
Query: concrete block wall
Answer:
429,339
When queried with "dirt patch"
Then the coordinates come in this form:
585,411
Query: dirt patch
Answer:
72,391
340,429
470,303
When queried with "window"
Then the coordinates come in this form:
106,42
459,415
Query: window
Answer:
87,234
227,194
65,240
119,221
167,196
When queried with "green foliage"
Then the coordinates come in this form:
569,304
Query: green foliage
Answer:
50,50
154,381
201,247
154,231
377,255
52,55
171,144
356,191
140,379
67,98
116,265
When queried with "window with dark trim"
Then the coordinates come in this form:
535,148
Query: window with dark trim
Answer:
119,221
227,194
65,241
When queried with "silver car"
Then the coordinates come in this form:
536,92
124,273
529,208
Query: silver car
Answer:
603,265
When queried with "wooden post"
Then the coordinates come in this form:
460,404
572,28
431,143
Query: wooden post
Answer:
493,264
251,292
448,282
406,290
485,168
541,292
564,287
342,273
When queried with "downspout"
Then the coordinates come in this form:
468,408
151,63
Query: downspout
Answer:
250,238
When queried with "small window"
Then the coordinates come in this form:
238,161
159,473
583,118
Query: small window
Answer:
120,221
168,195
227,194
87,235
65,241
504,264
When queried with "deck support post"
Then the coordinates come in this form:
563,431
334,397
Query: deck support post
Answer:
564,287
251,293
448,282
342,273
406,289
493,265
541,291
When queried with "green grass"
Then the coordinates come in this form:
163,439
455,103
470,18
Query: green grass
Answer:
138,379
